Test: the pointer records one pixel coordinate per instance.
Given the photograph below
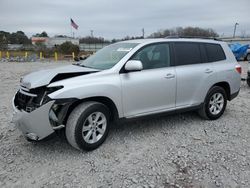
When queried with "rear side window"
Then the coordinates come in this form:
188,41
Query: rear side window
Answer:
187,53
214,52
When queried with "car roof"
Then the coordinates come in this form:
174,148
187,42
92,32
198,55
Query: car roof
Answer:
153,40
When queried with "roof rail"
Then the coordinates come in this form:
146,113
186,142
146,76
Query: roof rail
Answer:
190,37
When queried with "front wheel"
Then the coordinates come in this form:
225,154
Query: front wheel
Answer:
214,104
88,125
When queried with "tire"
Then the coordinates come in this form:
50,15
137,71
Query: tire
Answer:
217,98
248,81
61,134
83,130
247,57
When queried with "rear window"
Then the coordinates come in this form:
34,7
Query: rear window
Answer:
214,52
187,53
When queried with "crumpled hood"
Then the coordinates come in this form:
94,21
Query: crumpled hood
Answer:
45,77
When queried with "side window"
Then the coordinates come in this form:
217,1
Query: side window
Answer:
203,53
154,56
214,52
187,53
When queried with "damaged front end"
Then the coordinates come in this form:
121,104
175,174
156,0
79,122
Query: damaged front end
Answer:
36,115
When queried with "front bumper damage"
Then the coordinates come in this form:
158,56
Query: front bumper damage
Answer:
34,125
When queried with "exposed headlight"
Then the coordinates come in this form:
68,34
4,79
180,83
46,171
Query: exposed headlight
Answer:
53,89
48,91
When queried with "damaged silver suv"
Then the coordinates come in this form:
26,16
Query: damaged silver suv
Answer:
126,80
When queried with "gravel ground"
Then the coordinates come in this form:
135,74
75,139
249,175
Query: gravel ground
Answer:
171,151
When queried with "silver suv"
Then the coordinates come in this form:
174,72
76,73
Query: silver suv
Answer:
128,79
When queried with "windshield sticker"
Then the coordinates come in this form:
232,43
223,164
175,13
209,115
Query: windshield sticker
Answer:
124,49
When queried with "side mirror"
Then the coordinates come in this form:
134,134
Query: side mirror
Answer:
76,59
81,58
84,57
133,65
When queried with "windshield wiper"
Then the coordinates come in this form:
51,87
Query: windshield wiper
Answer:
81,65
77,64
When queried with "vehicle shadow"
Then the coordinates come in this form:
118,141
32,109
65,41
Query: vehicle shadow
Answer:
154,123
121,130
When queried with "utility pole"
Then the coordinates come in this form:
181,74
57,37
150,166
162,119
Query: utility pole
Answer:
143,33
235,25
91,33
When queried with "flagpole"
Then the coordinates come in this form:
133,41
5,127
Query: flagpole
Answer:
71,32
70,28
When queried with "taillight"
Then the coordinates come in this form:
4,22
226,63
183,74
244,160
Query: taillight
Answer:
238,69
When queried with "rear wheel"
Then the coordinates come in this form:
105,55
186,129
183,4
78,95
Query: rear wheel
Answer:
248,81
247,57
88,125
214,104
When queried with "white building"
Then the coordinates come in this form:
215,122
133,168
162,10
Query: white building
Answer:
52,42
39,40
59,40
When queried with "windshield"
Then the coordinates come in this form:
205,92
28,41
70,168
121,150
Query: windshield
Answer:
108,56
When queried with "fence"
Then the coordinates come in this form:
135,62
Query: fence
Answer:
92,47
30,56
19,53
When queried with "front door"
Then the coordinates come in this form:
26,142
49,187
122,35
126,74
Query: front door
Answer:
153,89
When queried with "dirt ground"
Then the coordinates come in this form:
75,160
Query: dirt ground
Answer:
171,151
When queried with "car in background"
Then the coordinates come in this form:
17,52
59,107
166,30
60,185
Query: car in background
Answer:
241,52
247,55
248,77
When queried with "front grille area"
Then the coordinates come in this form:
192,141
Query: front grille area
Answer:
29,100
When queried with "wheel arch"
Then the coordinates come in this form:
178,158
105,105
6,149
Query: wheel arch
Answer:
246,56
102,99
225,85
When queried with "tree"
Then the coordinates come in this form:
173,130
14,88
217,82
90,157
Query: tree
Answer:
61,36
43,34
185,32
21,38
14,38
4,40
68,48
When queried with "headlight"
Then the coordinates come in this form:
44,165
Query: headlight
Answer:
48,91
53,89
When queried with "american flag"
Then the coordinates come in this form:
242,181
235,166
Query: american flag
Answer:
73,24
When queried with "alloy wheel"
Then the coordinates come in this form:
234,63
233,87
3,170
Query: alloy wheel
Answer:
216,103
94,127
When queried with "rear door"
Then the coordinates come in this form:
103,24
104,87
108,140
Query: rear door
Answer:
194,74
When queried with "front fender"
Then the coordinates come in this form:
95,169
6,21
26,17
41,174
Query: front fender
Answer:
91,90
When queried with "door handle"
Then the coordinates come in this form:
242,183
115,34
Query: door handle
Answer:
208,71
169,76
